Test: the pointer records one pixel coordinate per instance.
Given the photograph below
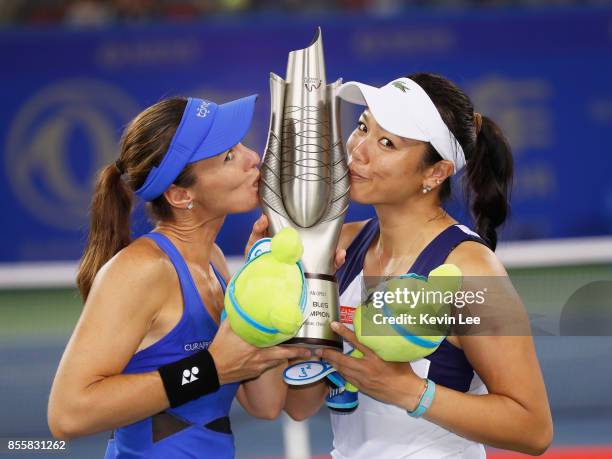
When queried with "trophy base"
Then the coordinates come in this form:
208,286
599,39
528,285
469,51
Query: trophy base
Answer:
302,373
314,343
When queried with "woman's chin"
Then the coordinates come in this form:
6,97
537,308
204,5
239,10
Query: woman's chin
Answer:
360,196
246,203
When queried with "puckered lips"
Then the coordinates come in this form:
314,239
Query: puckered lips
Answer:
356,175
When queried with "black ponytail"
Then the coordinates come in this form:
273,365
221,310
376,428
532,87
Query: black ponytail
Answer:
488,156
489,174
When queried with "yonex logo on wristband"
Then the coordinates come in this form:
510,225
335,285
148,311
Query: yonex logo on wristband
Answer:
189,376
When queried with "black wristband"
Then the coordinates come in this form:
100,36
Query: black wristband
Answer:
189,378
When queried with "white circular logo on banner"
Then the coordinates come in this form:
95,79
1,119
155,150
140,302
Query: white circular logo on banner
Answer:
56,144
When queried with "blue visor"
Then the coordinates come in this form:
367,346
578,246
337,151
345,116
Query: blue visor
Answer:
206,129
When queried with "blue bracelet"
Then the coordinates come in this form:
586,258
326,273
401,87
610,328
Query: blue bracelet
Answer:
426,399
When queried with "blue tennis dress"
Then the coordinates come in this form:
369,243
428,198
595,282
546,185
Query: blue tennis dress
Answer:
197,429
377,429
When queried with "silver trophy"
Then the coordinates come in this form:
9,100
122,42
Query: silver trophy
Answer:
305,182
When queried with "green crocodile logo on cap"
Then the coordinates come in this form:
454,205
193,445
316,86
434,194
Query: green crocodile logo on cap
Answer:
401,86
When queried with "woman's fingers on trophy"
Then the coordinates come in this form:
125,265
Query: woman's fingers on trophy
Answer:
336,359
260,230
261,225
340,258
284,353
341,362
353,377
349,335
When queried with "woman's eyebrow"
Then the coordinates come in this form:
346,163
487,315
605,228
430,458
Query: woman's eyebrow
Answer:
398,140
409,142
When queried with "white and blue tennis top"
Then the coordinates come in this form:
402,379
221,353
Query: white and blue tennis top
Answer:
380,430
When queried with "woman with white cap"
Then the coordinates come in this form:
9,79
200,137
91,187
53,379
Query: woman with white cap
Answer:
148,358
414,136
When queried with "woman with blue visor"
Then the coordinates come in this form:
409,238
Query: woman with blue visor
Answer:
148,359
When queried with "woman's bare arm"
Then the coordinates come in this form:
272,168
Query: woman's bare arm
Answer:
90,394
305,401
514,415
264,396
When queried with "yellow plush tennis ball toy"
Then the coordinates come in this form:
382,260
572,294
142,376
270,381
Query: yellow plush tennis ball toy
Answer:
406,342
264,301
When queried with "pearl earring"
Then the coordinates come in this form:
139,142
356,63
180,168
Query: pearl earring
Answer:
426,189
190,205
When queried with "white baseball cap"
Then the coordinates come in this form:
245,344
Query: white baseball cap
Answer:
404,109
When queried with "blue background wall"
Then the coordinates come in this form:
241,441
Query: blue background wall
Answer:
545,77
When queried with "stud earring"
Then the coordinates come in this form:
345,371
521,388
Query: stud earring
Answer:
190,205
426,189
437,181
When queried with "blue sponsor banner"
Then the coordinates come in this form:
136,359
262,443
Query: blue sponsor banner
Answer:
66,95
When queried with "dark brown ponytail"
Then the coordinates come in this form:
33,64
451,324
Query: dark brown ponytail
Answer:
489,168
143,146
109,228
489,174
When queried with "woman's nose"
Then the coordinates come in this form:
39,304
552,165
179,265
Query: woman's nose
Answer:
359,152
250,157
253,158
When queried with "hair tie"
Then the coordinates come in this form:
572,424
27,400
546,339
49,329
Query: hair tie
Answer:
477,122
119,167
